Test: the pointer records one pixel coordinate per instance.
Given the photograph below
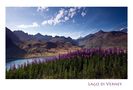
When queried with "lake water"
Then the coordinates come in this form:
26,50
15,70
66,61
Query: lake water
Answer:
18,62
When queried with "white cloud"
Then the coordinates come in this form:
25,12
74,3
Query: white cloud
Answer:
123,28
72,12
33,25
50,22
41,9
63,15
72,9
59,17
83,14
66,18
44,22
55,20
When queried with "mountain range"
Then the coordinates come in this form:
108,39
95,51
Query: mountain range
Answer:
21,44
39,37
104,39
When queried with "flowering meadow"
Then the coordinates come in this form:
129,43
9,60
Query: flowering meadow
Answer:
94,63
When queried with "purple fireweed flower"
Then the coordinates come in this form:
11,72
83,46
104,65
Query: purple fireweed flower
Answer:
105,53
121,51
118,51
110,51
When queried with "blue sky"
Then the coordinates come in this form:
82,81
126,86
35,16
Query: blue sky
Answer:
66,21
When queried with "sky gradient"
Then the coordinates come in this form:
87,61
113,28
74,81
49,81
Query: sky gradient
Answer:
66,21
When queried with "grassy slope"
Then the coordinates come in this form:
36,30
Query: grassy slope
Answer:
40,49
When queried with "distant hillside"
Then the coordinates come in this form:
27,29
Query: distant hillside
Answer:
63,40
23,36
104,39
39,37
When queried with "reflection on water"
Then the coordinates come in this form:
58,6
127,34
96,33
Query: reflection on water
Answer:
19,62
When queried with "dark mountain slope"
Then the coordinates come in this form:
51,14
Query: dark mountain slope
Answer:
12,36
12,48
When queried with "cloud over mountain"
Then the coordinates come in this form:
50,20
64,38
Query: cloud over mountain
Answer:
33,25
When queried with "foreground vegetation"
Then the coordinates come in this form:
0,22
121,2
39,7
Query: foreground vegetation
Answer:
82,64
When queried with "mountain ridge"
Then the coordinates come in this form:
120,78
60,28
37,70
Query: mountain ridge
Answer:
104,39
43,45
